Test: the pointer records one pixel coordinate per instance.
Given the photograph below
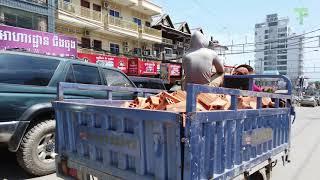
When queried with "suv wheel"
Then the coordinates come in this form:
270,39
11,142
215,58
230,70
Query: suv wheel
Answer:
36,152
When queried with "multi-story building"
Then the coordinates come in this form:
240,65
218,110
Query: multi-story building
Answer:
276,50
31,14
112,26
175,39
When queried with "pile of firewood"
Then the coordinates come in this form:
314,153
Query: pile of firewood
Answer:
176,101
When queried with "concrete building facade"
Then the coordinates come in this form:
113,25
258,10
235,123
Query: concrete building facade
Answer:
112,26
277,50
30,14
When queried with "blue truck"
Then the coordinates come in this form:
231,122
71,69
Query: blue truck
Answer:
98,139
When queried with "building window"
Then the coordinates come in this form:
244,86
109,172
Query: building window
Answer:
137,51
137,21
267,57
282,57
273,24
114,13
268,68
282,40
96,7
281,46
266,31
97,45
85,43
282,63
282,68
266,37
282,35
283,51
114,48
268,63
23,19
85,4
282,29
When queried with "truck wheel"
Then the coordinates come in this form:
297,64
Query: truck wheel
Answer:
36,152
256,176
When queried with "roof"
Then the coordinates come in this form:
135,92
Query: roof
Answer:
164,20
197,29
180,27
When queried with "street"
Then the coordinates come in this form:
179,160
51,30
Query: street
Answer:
305,153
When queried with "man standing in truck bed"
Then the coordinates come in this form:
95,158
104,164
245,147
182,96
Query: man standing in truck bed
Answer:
202,65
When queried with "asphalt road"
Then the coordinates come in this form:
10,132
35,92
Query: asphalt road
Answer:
305,153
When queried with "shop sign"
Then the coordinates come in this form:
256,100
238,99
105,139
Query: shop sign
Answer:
175,69
107,61
37,41
139,67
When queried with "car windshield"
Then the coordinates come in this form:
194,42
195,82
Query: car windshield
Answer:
26,70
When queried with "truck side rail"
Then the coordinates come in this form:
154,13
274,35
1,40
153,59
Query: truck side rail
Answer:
109,89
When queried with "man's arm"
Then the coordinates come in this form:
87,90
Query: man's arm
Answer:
217,63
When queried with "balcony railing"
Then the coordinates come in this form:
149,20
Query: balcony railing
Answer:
167,41
122,23
151,31
80,11
66,6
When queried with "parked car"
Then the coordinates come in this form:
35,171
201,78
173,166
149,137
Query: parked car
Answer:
318,100
176,86
308,101
148,83
27,87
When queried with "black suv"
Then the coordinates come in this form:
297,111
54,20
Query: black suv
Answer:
27,87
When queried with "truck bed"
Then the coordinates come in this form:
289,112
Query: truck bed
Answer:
101,139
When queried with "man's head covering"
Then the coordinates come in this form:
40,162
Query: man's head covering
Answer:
241,71
250,68
198,41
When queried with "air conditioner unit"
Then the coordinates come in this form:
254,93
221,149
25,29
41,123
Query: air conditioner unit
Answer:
86,33
106,4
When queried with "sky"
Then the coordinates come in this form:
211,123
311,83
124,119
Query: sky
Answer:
233,21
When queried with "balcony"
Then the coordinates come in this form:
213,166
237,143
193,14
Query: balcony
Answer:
128,2
78,15
151,34
148,8
167,41
118,25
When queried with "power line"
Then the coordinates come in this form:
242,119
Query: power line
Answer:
261,50
273,41
288,45
272,48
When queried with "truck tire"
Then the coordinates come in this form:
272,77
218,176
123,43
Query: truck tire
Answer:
257,176
36,152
